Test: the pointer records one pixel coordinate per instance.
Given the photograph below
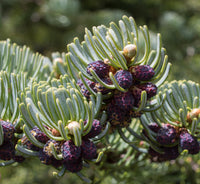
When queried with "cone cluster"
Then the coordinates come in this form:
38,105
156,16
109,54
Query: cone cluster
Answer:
120,105
170,141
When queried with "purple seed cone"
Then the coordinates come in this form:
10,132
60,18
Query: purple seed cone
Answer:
8,130
153,127
84,90
170,153
115,114
124,78
99,67
166,134
149,87
28,144
45,154
39,135
75,166
70,152
142,72
88,150
47,147
124,100
99,88
95,130
136,90
189,142
7,151
49,160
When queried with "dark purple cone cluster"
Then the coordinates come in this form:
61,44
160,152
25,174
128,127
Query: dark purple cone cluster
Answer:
166,134
39,135
72,155
8,130
124,78
95,130
142,72
171,140
189,142
120,105
99,67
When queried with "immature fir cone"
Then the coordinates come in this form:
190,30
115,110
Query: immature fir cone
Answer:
166,134
124,100
142,72
95,130
88,150
124,78
70,152
7,151
45,154
84,90
170,153
189,142
39,135
8,130
100,68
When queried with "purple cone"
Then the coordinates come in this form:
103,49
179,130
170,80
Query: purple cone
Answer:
95,130
142,72
70,152
166,134
7,151
88,150
8,130
189,142
124,78
124,100
99,67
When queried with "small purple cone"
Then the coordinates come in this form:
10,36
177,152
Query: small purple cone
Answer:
39,135
95,130
99,67
84,90
70,152
99,88
170,153
75,166
142,72
8,130
149,87
116,116
45,154
166,134
152,126
7,151
124,100
88,150
189,142
124,78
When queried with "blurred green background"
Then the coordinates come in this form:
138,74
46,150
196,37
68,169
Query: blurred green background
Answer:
47,26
